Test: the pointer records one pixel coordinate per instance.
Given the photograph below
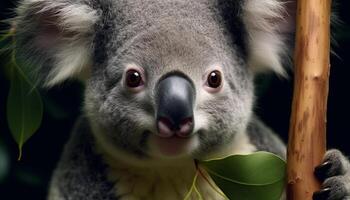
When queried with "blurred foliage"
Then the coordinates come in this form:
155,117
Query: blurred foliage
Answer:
29,177
4,162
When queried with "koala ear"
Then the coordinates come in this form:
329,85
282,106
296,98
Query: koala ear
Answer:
270,25
54,39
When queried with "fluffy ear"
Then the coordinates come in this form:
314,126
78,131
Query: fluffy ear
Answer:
54,38
270,25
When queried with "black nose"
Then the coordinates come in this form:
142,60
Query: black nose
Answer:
175,98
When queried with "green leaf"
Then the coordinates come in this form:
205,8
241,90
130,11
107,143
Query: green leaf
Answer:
257,176
24,107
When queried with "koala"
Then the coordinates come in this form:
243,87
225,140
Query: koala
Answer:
166,82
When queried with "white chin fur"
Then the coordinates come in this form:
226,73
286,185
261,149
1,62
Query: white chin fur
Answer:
170,148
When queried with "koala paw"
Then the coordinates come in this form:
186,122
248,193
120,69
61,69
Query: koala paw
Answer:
334,173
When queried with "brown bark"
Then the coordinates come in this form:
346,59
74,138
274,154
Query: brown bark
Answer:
307,134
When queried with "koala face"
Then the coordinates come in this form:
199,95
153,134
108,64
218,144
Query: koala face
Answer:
170,93
166,79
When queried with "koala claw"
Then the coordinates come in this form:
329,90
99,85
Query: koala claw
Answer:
334,173
323,194
322,171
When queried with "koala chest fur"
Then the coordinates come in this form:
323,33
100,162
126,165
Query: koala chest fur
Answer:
172,180
166,82
158,183
87,172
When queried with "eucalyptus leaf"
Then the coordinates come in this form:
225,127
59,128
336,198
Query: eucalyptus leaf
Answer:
257,176
24,107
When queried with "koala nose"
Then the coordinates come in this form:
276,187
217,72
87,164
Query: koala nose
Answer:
175,97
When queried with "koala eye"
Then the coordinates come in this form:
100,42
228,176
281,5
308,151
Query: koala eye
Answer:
214,79
133,78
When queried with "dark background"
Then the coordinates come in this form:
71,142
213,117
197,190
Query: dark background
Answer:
29,178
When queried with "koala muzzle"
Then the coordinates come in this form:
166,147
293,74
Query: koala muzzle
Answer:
175,98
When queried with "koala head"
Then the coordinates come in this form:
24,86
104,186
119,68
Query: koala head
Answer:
164,79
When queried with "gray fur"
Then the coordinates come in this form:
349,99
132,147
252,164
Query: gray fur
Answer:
265,139
98,40
81,173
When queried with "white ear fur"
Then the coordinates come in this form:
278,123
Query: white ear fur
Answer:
70,43
268,23
71,60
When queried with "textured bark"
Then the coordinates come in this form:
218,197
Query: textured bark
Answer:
307,134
